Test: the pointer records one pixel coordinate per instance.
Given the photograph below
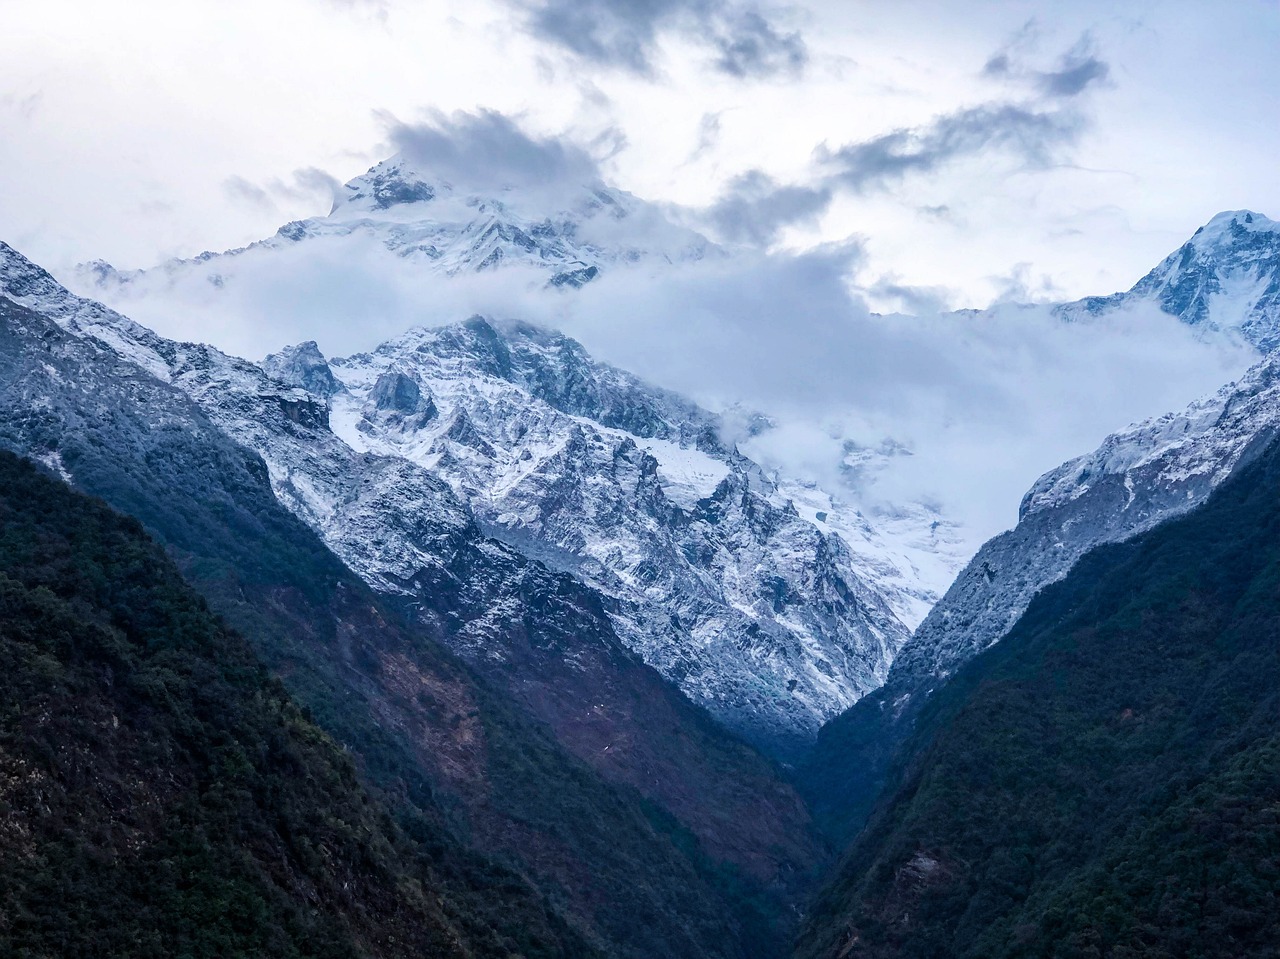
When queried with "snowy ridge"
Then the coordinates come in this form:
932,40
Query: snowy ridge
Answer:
1225,279
404,458
449,231
710,572
1138,478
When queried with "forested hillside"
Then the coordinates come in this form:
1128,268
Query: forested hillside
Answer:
163,796
1103,782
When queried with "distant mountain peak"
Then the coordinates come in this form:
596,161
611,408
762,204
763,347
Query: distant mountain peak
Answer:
566,234
1224,279
392,182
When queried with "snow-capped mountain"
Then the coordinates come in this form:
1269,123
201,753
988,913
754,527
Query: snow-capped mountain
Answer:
1226,278
403,458
484,746
1138,478
448,231
708,570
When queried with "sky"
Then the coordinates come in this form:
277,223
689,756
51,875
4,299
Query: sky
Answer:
860,158
1033,150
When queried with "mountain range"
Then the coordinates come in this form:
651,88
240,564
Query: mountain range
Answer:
582,647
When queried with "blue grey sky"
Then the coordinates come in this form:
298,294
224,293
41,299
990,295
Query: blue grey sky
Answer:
1026,150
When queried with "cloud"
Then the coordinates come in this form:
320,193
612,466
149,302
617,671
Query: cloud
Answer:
1077,70
625,34
242,190
709,131
909,298
488,150
1019,286
1000,65
26,106
755,208
1027,134
303,185
753,47
984,402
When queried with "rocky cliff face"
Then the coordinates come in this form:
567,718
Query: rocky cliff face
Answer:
707,570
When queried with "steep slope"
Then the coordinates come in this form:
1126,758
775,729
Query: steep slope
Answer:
1226,278
162,795
1138,478
711,574
450,750
1103,781
448,230
757,613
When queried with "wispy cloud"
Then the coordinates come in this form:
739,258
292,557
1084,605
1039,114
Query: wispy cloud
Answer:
709,131
1075,70
745,41
308,183
1026,133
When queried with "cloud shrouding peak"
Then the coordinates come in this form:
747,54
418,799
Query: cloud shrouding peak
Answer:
745,41
487,151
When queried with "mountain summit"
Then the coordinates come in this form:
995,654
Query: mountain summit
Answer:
1226,278
564,237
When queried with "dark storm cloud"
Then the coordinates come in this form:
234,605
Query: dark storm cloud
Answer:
625,33
489,150
1030,135
755,208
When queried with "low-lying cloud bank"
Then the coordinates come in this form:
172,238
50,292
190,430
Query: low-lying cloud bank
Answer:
962,411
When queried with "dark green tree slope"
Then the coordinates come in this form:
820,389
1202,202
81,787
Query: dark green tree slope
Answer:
160,794
1105,782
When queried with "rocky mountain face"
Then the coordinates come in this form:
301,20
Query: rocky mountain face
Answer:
1226,278
707,571
450,230
395,457
569,760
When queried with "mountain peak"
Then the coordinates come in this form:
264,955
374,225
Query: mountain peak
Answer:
1225,278
1235,223
392,182
399,181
